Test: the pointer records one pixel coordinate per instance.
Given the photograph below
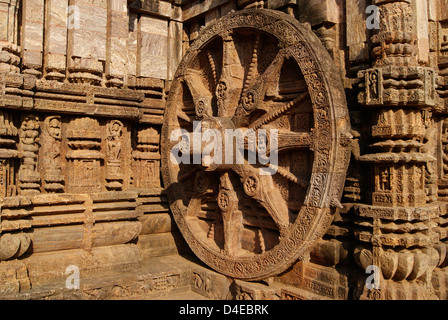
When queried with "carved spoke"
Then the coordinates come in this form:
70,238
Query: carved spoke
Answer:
252,67
186,175
201,190
232,218
239,222
289,140
262,189
266,85
229,86
273,114
202,97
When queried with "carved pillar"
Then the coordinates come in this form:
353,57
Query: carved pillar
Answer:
443,63
29,178
395,228
117,32
51,154
147,159
440,274
8,154
87,41
32,41
9,49
84,157
114,176
442,89
55,46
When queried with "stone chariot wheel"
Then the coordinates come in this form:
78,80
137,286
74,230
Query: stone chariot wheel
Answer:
261,72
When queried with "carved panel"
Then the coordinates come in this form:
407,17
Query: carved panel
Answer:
51,154
8,154
84,157
29,177
147,159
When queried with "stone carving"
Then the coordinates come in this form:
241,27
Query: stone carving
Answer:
250,93
28,149
51,150
402,161
443,65
147,159
9,58
85,70
443,183
8,137
113,176
84,140
395,41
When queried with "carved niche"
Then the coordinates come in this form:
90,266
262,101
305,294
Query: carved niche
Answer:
259,70
84,157
147,159
51,154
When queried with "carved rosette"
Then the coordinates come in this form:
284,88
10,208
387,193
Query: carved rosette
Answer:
240,223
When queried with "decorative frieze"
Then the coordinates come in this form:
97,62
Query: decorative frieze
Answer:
396,85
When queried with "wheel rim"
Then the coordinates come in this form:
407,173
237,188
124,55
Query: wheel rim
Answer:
259,70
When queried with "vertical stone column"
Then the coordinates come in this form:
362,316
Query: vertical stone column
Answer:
84,158
132,49
116,51
175,47
8,155
87,41
147,159
357,33
325,18
55,49
9,29
29,177
51,155
442,60
114,176
152,58
440,274
395,227
32,37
